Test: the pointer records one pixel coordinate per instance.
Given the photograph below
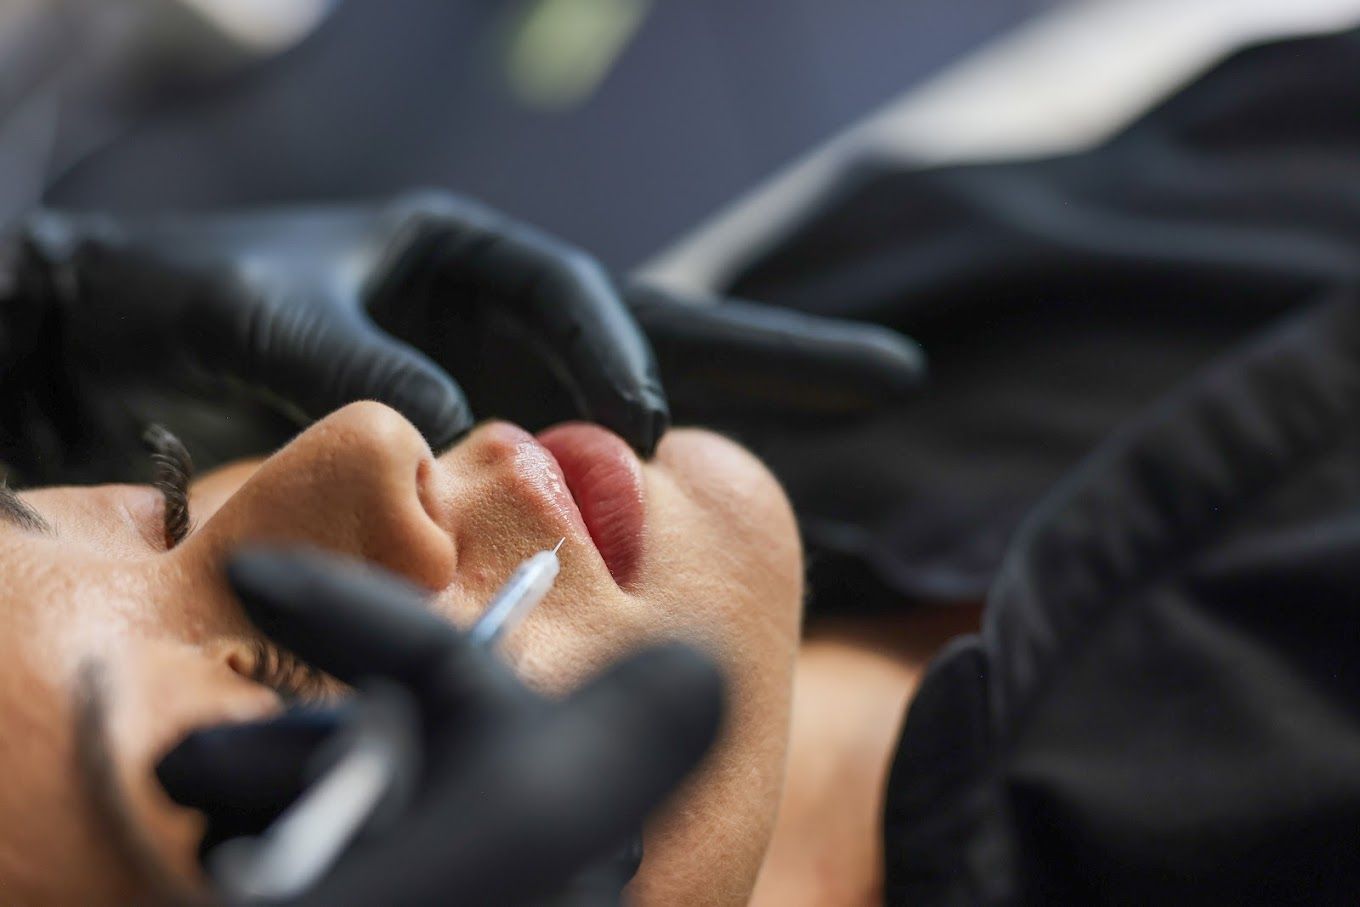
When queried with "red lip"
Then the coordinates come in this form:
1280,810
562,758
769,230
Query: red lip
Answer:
605,478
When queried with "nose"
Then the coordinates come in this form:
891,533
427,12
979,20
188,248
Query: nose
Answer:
352,483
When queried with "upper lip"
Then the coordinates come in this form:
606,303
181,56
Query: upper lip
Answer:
604,479
537,467
588,482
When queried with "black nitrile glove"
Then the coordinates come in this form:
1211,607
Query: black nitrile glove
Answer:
725,359
518,794
279,317
233,330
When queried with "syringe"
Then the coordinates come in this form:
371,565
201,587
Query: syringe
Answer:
521,593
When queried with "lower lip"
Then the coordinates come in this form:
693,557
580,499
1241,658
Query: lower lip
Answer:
605,478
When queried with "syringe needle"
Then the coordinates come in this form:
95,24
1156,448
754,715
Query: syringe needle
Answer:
521,593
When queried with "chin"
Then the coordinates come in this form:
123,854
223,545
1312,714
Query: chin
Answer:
724,569
736,504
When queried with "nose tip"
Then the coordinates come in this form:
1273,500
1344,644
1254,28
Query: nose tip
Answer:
354,483
371,426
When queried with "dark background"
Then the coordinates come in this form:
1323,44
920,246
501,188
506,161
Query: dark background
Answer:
709,97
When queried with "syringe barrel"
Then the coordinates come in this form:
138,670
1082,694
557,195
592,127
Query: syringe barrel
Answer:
522,592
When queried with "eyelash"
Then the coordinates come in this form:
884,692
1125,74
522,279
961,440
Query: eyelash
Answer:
174,468
294,680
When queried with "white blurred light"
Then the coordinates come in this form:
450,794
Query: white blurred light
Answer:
1064,81
263,25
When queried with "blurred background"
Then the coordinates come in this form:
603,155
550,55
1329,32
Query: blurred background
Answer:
619,124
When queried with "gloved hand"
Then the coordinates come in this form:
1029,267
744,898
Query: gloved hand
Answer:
273,318
517,793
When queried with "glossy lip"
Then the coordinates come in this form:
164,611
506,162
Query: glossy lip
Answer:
590,480
604,478
538,469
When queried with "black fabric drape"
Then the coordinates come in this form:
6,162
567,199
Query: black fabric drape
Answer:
1164,703
1144,435
1056,299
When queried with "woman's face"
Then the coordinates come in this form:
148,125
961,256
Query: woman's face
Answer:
698,544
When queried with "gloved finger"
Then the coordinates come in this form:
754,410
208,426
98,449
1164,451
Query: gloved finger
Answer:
354,621
733,356
574,316
243,775
560,301
316,358
540,800
308,356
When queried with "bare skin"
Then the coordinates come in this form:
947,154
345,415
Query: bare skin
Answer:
854,680
720,567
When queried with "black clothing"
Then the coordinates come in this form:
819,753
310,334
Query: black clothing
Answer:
1164,703
234,329
1056,299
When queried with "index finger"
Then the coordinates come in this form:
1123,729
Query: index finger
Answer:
733,356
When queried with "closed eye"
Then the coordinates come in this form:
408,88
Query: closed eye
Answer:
173,470
19,513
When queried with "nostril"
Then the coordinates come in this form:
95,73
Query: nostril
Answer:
239,663
433,497
247,660
499,444
414,538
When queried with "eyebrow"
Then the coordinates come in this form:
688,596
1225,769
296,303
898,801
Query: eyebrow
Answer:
113,809
19,513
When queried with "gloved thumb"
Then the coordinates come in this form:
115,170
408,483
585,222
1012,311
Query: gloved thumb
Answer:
545,797
316,360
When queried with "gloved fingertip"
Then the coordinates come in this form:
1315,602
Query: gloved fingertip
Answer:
638,413
178,771
435,405
264,579
883,364
276,585
238,764
903,362
653,421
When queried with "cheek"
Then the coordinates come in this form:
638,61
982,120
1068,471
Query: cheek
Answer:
50,848
724,571
156,693
68,616
722,537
